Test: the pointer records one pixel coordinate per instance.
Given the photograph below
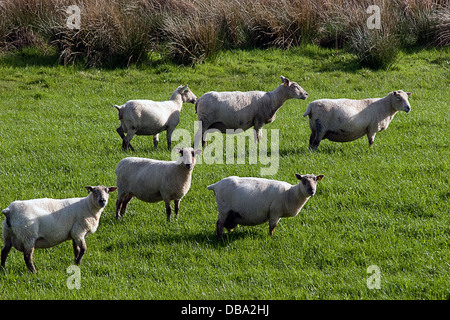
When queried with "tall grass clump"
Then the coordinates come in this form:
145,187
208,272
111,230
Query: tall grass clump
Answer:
442,27
193,34
111,32
119,32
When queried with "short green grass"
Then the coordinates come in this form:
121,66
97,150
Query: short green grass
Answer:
386,206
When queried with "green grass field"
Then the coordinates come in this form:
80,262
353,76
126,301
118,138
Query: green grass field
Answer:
386,206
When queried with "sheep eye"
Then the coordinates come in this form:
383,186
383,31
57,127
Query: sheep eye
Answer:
193,154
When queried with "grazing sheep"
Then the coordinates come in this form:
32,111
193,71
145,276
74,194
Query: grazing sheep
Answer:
243,110
147,117
44,223
253,201
154,180
344,120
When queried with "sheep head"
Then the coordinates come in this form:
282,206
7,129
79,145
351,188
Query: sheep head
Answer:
295,91
308,183
400,101
100,194
186,94
187,157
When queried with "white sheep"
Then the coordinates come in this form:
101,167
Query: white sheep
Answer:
243,110
44,223
344,120
253,201
147,117
154,180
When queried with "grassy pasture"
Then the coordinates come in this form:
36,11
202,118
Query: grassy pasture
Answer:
386,206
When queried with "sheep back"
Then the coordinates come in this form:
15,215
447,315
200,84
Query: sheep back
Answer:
235,110
148,117
46,221
344,119
151,180
254,199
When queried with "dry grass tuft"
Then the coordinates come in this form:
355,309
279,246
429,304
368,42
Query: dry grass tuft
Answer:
122,32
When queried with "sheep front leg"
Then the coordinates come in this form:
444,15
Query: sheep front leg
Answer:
371,138
177,207
168,210
258,133
273,222
76,249
80,243
169,138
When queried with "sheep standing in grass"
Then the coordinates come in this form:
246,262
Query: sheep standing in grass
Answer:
154,180
44,223
243,110
253,201
147,117
343,120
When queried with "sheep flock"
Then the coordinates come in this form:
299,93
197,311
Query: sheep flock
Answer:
247,201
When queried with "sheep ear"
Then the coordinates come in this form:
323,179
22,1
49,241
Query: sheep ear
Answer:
298,176
111,189
319,177
285,81
89,188
198,151
409,93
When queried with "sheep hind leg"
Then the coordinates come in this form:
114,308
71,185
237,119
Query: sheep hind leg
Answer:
317,134
121,133
312,137
219,229
127,140
155,140
200,136
5,251
28,257
119,204
230,222
122,204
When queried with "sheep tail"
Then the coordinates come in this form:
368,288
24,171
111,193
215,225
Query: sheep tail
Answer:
196,103
308,111
211,187
119,108
6,213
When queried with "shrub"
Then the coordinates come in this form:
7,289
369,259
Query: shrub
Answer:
117,32
376,49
